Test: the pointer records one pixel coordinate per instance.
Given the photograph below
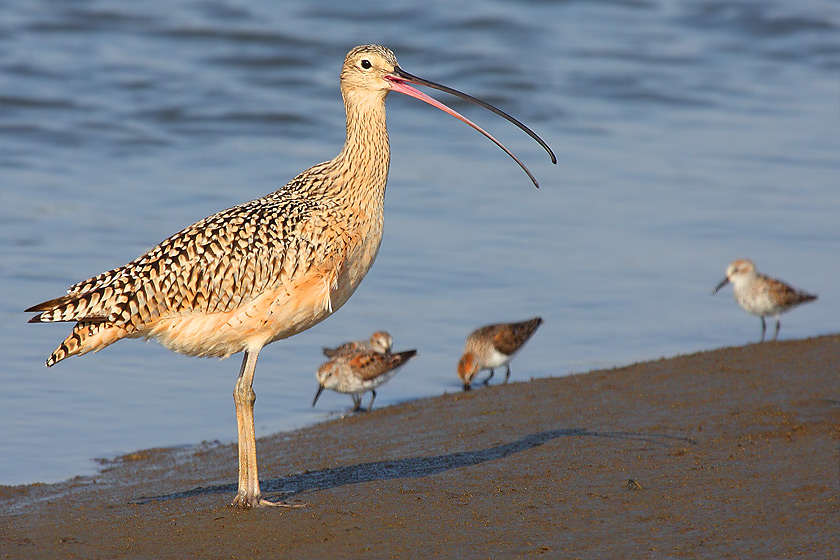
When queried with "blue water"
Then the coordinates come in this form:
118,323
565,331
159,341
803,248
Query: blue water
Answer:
688,134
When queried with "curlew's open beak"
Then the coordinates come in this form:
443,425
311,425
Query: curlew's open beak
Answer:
318,394
399,82
723,283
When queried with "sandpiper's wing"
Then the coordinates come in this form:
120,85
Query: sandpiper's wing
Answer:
785,295
509,337
344,349
370,365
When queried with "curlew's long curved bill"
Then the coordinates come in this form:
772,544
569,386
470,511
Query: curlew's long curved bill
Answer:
399,80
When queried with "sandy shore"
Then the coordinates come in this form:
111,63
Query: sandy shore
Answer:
731,453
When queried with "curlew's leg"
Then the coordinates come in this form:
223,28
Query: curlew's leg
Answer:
507,375
249,495
778,326
489,377
763,329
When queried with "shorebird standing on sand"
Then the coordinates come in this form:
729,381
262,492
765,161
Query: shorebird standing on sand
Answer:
266,269
358,372
380,341
761,295
494,346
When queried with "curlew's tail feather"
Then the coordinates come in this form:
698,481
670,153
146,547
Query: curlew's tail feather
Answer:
43,307
87,336
72,307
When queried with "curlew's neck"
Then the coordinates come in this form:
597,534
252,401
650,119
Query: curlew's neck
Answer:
366,155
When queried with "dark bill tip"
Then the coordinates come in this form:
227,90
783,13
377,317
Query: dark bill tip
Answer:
723,283
400,79
318,394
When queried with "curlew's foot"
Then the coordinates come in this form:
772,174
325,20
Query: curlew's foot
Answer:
266,503
250,502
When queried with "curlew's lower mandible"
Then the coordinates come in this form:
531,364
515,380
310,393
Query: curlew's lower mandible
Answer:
263,270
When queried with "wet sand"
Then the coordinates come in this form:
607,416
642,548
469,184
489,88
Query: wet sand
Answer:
731,453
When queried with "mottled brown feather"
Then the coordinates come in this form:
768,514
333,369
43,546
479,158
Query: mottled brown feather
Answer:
508,338
380,341
787,295
369,365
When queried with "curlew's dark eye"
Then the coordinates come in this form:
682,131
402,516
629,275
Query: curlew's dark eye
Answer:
366,64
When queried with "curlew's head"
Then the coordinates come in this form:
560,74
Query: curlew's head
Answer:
737,271
365,69
372,70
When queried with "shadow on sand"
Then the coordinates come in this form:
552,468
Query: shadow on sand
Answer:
413,467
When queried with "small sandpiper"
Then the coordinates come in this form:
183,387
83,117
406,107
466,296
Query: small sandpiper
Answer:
761,295
494,346
380,341
358,372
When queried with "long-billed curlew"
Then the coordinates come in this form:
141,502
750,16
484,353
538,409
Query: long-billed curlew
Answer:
266,269
761,295
494,346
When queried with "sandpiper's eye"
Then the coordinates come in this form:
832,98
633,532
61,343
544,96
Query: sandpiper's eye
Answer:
366,64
